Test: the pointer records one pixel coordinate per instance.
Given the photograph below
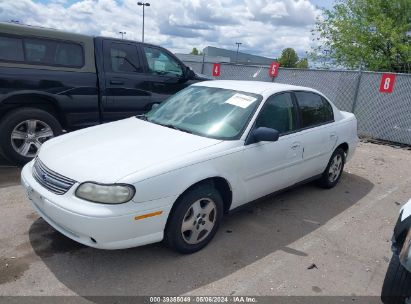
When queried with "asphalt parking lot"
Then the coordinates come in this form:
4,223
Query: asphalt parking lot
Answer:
306,241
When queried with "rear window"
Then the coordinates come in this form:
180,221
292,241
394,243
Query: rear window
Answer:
314,109
11,49
41,51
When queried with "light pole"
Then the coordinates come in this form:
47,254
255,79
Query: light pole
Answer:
143,4
122,34
326,52
238,47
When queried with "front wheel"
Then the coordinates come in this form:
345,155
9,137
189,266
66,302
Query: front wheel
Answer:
333,172
23,131
195,219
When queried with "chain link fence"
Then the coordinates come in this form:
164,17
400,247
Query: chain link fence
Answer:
385,116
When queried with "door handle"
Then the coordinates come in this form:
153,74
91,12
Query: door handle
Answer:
117,82
159,84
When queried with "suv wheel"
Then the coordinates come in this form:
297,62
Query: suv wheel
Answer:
23,131
195,219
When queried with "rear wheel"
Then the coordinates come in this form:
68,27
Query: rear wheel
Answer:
333,172
23,131
397,284
195,219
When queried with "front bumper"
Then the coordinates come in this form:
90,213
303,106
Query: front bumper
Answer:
98,225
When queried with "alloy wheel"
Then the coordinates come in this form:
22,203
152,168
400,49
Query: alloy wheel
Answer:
199,221
28,136
335,168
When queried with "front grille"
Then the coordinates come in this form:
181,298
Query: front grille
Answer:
51,180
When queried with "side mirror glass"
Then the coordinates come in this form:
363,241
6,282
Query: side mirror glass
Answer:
155,106
189,73
263,134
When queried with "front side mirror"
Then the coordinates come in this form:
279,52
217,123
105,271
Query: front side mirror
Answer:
189,73
263,134
155,106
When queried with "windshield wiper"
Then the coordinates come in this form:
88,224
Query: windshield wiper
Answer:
142,117
175,128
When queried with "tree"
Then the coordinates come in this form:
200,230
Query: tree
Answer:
288,58
194,51
373,34
302,63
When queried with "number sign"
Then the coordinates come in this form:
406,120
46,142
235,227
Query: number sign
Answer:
387,83
274,69
216,69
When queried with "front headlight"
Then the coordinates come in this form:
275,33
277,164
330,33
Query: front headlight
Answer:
105,194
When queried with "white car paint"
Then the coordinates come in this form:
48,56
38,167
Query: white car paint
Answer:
405,253
162,163
406,210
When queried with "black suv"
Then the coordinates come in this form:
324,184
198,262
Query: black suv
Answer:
53,81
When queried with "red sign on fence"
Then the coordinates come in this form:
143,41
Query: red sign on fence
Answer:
216,69
274,69
387,83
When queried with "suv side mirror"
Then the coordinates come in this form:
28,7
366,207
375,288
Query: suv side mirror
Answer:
189,73
263,134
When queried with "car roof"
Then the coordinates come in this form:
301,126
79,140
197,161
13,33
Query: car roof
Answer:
256,87
39,31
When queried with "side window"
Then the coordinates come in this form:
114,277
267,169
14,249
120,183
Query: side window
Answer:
278,113
51,52
159,62
124,58
11,49
314,109
39,51
69,54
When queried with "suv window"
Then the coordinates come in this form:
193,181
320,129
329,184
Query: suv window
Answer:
314,109
52,52
159,62
41,51
11,49
124,58
278,113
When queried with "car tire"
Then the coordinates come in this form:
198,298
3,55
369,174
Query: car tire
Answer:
26,127
334,170
194,220
397,283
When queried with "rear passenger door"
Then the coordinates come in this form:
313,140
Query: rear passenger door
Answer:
165,73
127,91
317,132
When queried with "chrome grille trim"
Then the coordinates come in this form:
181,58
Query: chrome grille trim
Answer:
51,180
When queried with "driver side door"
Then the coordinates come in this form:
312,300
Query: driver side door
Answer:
271,166
165,74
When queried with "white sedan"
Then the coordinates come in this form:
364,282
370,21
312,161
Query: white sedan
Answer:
173,173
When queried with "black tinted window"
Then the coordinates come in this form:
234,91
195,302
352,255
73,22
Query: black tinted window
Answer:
11,49
124,58
278,113
314,109
51,52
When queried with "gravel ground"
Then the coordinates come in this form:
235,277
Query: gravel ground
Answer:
306,241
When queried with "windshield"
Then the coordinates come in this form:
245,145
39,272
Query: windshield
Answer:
210,112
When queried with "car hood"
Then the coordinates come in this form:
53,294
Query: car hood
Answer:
109,152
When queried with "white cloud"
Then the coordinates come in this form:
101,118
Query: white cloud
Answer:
264,27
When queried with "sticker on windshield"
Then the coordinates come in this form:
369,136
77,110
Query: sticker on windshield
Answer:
241,100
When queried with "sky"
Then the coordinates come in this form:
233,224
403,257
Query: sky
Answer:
264,27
